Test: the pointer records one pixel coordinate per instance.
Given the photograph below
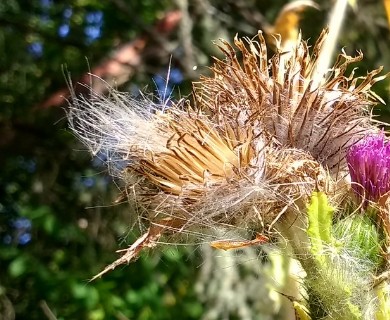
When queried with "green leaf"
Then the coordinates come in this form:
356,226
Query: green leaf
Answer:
18,266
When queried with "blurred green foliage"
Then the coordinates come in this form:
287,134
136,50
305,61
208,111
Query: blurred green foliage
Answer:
50,244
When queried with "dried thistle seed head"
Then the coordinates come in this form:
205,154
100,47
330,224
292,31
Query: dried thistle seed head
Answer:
281,101
261,136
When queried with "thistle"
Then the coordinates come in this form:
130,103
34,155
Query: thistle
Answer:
369,167
247,152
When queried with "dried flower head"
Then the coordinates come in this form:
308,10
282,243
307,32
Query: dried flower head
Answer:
259,136
281,101
369,167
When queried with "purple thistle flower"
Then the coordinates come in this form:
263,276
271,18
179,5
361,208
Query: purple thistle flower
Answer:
369,167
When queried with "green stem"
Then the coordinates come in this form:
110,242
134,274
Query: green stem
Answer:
329,293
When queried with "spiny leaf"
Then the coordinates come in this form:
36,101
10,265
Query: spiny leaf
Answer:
383,294
320,215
